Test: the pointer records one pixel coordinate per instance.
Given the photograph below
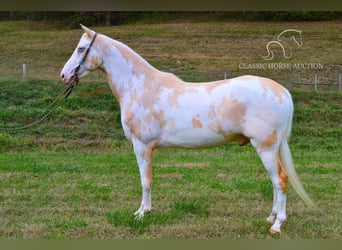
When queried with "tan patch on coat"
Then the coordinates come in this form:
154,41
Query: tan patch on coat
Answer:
173,98
148,119
196,123
134,124
231,109
282,175
95,62
148,159
270,140
160,117
210,86
278,90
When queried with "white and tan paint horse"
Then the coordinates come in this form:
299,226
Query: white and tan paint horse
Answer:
160,110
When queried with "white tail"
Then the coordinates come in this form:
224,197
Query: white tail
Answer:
286,160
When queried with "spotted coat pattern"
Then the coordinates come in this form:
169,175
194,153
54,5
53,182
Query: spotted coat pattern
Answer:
160,110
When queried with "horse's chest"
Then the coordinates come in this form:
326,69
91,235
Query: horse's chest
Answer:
140,123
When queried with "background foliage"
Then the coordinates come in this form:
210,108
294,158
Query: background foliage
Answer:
72,19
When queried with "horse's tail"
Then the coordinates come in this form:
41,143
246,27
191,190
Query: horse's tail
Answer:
286,160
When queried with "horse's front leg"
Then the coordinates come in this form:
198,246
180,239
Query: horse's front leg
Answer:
143,154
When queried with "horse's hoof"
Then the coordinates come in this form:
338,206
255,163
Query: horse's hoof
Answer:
139,218
139,214
274,232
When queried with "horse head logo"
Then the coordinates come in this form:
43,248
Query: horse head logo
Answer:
284,41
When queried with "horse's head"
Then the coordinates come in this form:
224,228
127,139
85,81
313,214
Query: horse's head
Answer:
298,39
85,58
292,35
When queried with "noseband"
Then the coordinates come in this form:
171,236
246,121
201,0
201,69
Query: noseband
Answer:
74,79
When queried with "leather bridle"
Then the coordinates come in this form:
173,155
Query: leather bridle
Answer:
74,79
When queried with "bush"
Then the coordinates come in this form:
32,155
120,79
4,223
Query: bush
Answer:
93,18
88,19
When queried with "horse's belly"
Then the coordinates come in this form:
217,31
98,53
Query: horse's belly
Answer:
195,138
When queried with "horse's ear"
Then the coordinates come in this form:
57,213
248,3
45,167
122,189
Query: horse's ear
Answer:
90,33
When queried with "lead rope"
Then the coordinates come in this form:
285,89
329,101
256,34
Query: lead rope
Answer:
62,96
53,106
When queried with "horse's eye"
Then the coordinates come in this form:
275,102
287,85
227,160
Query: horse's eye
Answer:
80,49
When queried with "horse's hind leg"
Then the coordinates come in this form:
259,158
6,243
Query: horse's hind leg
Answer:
272,217
272,163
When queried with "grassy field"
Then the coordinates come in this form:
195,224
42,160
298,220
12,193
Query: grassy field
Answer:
75,176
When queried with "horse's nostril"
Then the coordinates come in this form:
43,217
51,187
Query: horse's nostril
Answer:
63,77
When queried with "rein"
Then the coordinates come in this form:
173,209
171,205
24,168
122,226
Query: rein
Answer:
62,96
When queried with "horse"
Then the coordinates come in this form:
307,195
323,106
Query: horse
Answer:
158,109
292,35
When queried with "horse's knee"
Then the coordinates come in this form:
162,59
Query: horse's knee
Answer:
146,183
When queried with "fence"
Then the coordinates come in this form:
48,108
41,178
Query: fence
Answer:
330,79
316,79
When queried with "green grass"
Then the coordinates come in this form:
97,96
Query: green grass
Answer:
78,194
75,176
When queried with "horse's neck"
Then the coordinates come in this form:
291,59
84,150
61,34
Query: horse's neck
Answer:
126,71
